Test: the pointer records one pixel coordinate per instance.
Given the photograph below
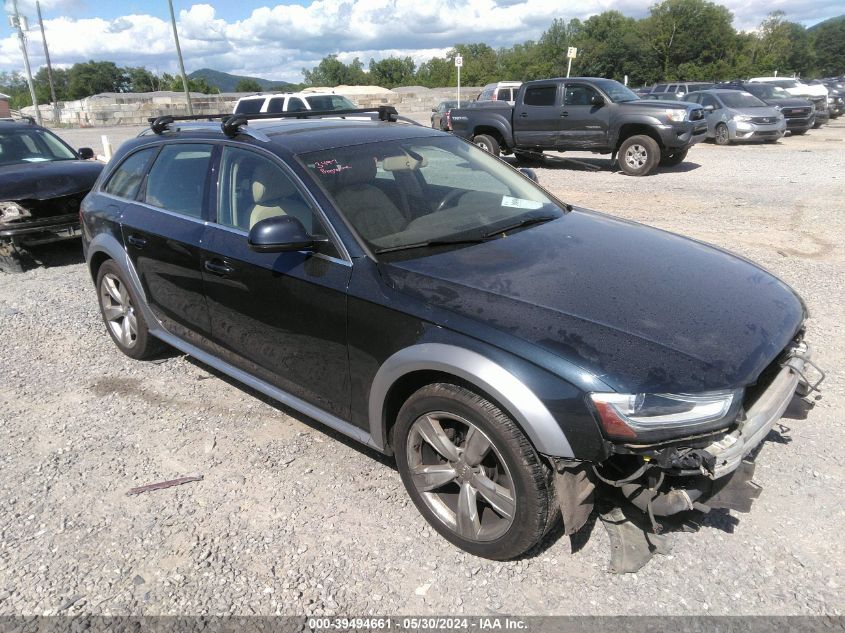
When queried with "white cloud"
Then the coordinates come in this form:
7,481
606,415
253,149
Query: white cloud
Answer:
278,41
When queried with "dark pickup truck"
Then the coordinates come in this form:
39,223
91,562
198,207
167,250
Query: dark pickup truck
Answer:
586,113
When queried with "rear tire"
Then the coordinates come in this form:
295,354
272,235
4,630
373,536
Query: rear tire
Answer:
124,321
723,136
487,143
472,473
670,160
638,155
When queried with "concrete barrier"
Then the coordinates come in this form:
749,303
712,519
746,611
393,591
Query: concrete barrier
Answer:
112,109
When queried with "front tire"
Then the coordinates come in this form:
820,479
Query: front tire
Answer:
472,473
670,160
723,136
124,321
487,143
638,155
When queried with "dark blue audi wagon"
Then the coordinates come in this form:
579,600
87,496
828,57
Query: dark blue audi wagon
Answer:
519,357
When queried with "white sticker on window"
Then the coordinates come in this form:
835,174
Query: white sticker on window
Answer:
520,203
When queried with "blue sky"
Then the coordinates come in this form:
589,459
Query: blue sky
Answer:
276,40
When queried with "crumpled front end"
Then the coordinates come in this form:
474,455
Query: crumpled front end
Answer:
644,491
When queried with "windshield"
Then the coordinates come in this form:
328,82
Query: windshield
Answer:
32,146
737,99
330,102
767,91
784,83
616,91
408,193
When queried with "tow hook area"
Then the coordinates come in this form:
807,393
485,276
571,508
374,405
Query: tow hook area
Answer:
642,510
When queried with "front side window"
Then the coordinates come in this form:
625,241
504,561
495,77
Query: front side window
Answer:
709,100
579,95
441,190
177,179
254,188
540,96
25,145
615,91
126,179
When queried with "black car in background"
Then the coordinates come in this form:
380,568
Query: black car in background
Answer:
421,296
438,113
800,113
42,182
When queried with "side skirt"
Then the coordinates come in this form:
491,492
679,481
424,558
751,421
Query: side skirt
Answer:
332,421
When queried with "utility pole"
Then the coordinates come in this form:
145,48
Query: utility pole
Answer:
19,22
179,55
49,67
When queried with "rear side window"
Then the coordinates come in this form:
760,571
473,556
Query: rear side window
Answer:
540,96
296,105
249,106
177,179
126,179
660,88
276,105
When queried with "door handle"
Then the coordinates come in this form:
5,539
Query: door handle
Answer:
137,242
523,114
564,113
218,267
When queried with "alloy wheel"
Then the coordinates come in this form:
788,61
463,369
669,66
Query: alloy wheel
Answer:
461,476
722,135
118,310
636,156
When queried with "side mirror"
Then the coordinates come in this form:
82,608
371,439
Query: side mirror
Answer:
529,173
280,234
709,108
597,100
85,153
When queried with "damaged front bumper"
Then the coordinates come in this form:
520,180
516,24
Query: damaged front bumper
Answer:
32,232
638,489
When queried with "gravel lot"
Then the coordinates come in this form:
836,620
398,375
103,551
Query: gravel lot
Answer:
290,518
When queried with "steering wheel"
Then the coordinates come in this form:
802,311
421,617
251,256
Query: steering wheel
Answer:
449,197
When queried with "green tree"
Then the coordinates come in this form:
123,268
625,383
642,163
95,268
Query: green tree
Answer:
688,32
829,47
247,85
437,72
42,84
90,78
611,45
140,79
391,72
480,63
333,72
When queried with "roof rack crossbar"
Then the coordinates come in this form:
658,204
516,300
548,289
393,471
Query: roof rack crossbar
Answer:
231,122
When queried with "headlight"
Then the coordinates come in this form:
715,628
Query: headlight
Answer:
742,117
12,211
637,415
676,115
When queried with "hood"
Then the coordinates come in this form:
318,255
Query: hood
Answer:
660,104
642,309
53,179
790,103
756,111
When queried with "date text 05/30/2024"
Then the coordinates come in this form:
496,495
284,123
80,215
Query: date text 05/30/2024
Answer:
419,624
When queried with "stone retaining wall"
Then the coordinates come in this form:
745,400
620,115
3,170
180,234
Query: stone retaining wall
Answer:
136,108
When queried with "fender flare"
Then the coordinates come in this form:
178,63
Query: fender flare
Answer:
517,399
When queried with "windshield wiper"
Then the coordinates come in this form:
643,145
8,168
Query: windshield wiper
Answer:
537,219
405,247
469,240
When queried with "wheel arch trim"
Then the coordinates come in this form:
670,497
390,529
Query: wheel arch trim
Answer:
509,391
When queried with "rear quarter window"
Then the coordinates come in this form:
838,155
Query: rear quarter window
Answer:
249,106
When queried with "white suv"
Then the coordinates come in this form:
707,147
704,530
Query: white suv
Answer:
795,87
292,102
